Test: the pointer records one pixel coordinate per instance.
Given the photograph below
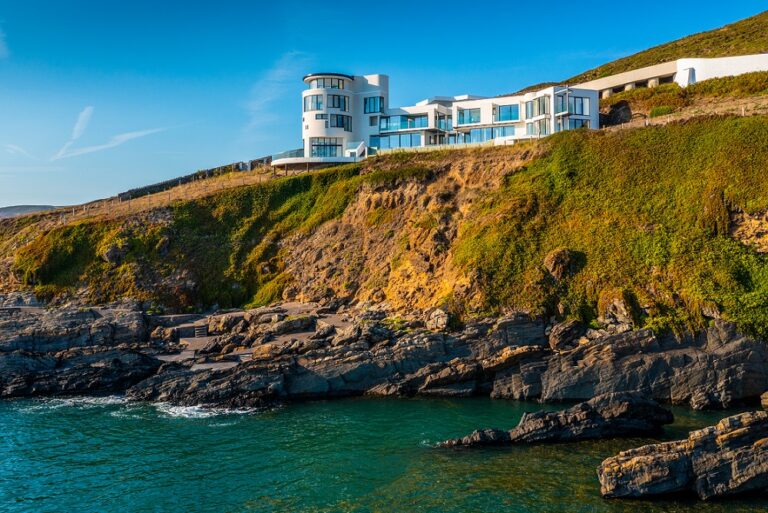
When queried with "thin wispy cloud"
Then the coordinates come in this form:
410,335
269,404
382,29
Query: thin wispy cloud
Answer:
4,52
115,141
274,85
15,150
83,120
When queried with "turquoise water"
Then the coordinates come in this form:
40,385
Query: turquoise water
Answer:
360,455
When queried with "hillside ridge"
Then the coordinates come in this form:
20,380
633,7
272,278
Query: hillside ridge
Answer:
742,37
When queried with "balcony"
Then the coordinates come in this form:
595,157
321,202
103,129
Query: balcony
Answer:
396,123
290,154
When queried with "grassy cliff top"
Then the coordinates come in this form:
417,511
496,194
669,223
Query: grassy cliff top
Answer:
743,37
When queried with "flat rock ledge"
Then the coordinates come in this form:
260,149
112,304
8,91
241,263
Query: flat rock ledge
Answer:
717,461
606,416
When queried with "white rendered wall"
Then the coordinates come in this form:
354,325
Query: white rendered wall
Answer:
690,71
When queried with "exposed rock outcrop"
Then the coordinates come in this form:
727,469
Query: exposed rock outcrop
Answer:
606,416
713,370
39,330
74,371
726,459
294,351
73,350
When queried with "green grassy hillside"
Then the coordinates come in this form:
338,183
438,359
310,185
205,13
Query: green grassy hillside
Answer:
740,38
648,211
645,212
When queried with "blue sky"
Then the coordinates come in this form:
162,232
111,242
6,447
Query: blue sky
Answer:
97,97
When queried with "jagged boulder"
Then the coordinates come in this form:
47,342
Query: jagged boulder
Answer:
438,320
323,330
726,459
563,262
114,253
294,325
606,416
565,335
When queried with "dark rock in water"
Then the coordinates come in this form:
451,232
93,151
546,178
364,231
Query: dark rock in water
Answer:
726,459
242,386
606,416
76,371
714,370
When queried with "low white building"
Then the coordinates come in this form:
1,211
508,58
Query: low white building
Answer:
684,72
345,118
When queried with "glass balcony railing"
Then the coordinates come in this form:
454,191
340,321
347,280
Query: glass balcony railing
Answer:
290,154
394,123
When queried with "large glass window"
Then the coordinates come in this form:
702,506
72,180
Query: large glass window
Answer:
341,121
479,135
573,105
392,123
444,122
375,142
468,116
394,141
578,123
540,127
537,107
507,113
313,102
503,131
338,101
578,105
326,83
373,105
326,146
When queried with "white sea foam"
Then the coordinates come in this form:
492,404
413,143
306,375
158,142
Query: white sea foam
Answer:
75,402
200,412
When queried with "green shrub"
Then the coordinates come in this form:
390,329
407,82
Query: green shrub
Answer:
662,110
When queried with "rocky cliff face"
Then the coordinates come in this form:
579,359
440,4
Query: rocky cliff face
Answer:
73,350
713,369
294,352
320,356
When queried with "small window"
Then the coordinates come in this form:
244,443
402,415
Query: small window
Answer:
373,121
313,102
373,104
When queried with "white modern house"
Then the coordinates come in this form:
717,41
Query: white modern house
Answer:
345,118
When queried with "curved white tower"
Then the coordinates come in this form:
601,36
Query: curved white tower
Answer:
340,113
